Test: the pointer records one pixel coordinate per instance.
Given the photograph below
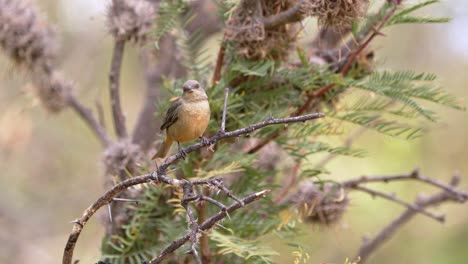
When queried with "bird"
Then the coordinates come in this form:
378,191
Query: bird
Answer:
186,119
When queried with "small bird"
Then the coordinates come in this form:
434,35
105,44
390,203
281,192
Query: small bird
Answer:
186,119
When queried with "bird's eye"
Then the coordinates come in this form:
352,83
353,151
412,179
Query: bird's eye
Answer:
197,86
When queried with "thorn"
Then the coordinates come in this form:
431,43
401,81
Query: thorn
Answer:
110,212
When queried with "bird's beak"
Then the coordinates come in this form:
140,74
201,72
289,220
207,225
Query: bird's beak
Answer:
188,88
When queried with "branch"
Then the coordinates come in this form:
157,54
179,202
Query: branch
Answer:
209,223
247,130
440,218
371,245
159,176
87,116
291,15
114,86
414,175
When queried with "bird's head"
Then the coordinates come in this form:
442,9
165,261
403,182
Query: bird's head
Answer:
193,91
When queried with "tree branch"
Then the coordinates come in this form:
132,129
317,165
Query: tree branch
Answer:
387,232
291,15
393,198
114,86
414,175
209,223
87,116
159,176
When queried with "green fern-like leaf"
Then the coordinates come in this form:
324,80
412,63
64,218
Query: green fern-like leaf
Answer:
249,250
404,16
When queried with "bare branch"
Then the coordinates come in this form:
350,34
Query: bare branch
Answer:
370,246
159,176
393,198
414,175
87,116
247,130
90,211
114,87
209,223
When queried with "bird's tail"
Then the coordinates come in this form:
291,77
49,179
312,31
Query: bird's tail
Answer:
163,149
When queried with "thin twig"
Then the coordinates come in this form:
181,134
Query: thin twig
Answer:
206,225
223,120
189,196
414,175
393,198
369,246
87,115
114,87
376,32
159,176
247,130
100,113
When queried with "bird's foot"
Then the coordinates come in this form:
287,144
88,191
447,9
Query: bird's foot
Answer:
183,153
204,140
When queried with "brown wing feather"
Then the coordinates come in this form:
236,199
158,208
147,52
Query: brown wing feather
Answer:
172,114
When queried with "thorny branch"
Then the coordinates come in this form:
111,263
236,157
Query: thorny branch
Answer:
208,224
447,194
114,88
160,176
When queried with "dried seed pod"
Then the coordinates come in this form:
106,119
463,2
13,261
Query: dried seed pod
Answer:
130,19
120,156
245,28
52,90
323,206
337,13
24,35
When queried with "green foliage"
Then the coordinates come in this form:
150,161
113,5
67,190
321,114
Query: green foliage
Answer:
390,103
405,16
149,231
250,251
168,18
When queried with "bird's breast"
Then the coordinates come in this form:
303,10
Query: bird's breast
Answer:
192,121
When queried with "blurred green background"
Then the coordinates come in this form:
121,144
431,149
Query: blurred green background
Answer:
51,164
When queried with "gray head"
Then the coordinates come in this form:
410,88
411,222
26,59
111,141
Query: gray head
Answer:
191,85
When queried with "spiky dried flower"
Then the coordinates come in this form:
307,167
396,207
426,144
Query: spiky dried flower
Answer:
120,156
320,205
337,13
52,90
24,35
130,19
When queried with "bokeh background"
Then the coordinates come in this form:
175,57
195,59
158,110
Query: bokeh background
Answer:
50,165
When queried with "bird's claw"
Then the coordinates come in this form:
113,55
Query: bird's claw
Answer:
204,140
183,153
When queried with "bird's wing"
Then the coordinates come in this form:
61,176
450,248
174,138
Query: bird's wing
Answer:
172,114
